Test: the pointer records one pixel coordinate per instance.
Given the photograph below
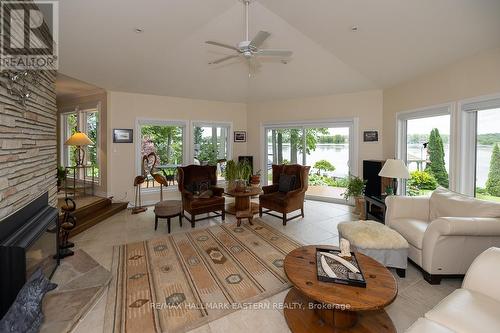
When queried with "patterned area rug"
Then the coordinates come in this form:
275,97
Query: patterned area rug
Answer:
185,280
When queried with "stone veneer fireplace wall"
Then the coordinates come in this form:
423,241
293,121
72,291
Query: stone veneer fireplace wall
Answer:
28,153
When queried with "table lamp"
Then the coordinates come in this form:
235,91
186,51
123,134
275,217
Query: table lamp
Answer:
394,169
78,140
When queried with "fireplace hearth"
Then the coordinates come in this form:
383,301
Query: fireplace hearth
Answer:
28,240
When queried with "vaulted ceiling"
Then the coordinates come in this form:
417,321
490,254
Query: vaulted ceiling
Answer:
396,41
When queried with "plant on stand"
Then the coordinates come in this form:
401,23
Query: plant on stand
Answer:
61,177
355,189
237,175
255,179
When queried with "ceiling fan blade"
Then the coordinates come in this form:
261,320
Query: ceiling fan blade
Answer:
258,40
275,53
218,61
222,45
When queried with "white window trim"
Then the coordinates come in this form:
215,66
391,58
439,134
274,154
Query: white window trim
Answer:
160,122
351,123
78,110
468,109
431,111
207,123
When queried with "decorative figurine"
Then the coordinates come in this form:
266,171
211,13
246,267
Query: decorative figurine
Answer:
345,248
138,201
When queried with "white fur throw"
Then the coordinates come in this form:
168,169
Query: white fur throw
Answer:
371,235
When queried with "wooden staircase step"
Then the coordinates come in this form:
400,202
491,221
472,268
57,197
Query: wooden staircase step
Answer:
92,216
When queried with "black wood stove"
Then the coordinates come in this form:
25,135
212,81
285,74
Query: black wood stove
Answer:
28,240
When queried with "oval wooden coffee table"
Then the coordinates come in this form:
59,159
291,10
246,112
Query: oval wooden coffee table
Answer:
242,201
315,306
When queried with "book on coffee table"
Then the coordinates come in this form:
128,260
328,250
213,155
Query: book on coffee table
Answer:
335,269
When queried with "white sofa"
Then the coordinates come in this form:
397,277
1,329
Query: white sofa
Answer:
445,231
473,308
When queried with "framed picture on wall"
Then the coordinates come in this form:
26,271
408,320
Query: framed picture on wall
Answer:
370,136
240,136
121,135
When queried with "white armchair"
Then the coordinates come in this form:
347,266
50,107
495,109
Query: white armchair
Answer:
445,231
473,308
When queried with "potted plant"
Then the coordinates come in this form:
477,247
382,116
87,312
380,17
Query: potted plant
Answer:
255,179
61,176
237,174
355,189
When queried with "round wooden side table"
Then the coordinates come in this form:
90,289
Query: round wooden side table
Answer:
242,200
315,306
168,209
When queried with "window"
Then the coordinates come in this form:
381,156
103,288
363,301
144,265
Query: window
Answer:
211,145
481,147
167,141
424,145
328,149
86,121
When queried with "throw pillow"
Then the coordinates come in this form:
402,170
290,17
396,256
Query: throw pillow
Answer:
206,194
286,183
199,186
25,314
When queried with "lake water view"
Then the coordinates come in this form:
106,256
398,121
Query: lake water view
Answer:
483,160
338,155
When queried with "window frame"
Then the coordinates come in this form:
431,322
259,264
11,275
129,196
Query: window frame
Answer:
351,123
402,119
81,110
160,122
199,123
468,142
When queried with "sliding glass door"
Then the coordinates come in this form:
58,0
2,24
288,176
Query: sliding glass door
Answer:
284,146
327,149
327,152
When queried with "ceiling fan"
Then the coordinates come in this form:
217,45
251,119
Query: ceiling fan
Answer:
250,49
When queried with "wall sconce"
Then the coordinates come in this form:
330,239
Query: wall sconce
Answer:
20,84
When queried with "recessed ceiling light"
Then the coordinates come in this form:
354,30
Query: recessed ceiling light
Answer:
138,30
354,28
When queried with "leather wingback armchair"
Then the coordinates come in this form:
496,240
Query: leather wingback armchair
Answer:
188,177
285,202
445,231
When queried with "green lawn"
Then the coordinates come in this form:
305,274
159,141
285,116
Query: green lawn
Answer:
487,197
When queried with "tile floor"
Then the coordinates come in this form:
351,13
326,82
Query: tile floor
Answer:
415,296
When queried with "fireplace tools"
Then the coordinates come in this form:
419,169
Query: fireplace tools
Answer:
67,224
138,201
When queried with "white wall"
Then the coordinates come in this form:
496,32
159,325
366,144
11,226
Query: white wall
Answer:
125,108
366,106
471,77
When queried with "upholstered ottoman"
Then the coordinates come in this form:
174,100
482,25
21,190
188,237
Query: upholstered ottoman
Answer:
378,241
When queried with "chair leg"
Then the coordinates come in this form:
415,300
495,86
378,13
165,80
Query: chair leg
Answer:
260,211
168,224
250,220
223,214
156,222
238,223
401,272
284,218
302,211
180,220
193,218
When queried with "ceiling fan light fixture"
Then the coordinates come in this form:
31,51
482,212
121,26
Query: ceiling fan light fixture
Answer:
251,50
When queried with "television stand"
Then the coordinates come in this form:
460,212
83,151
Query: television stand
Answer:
375,208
